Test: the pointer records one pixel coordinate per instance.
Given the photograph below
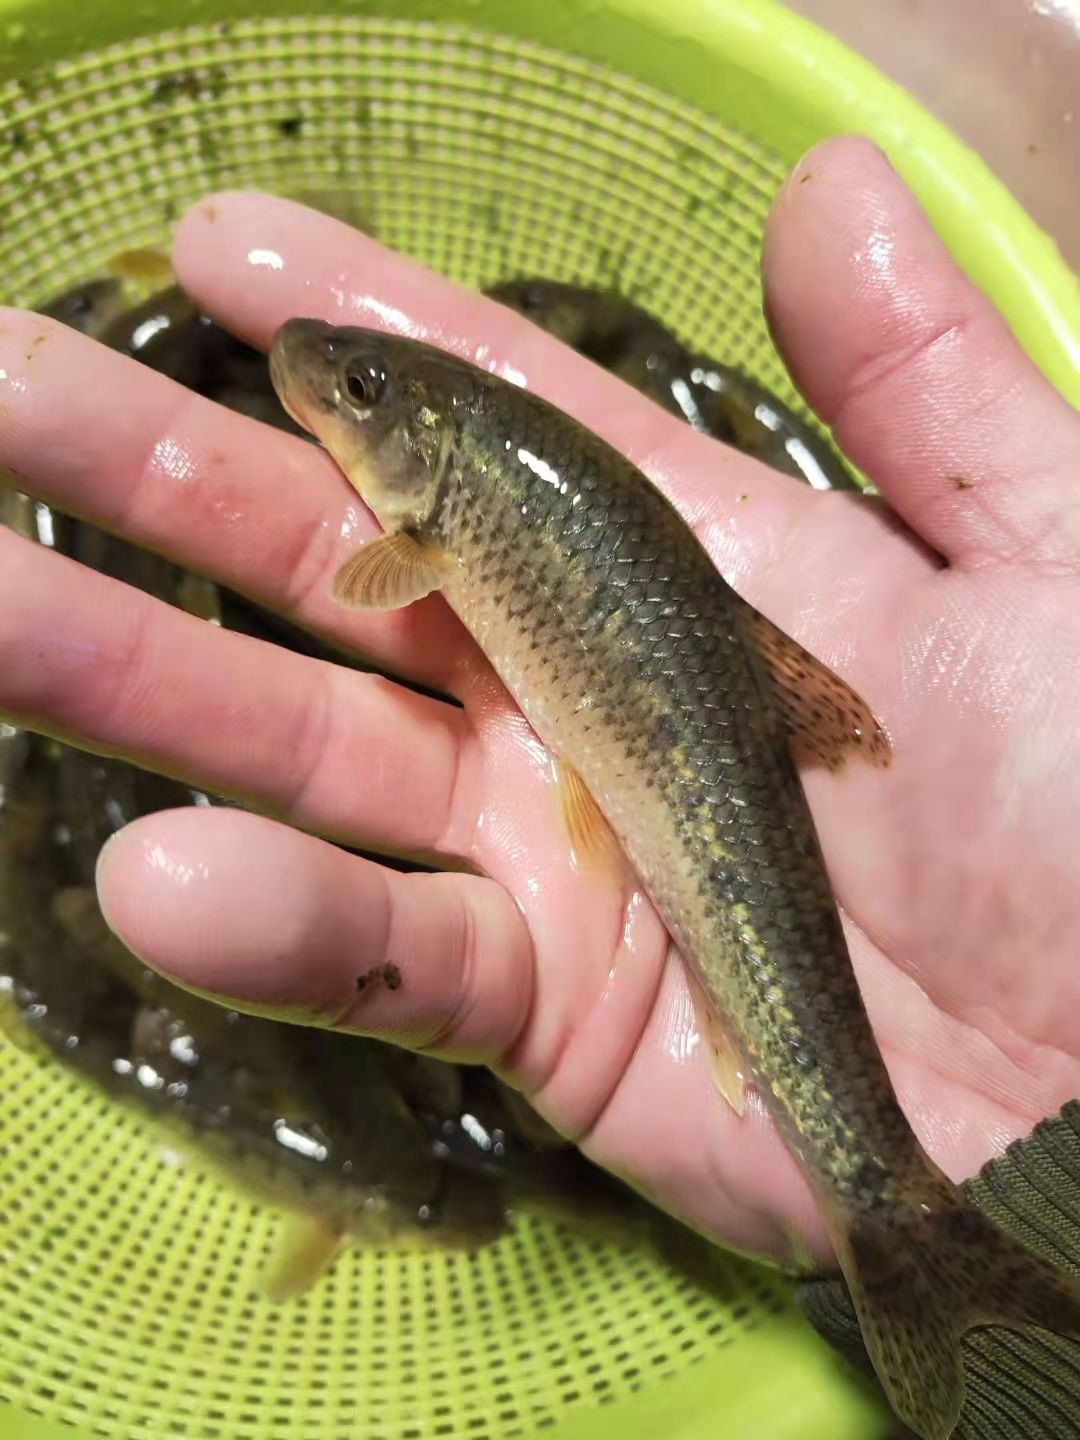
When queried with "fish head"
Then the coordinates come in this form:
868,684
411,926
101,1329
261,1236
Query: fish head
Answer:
595,322
384,407
602,325
88,308
569,312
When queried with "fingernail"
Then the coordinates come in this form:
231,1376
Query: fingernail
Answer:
103,861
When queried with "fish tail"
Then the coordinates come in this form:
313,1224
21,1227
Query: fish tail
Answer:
921,1277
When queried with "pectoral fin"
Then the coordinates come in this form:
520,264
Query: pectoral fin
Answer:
147,269
725,1063
305,1251
390,572
593,847
824,717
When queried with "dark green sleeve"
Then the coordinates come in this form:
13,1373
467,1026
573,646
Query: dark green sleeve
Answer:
1020,1386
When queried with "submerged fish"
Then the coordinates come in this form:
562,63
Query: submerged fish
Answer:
88,307
672,705
168,333
265,1103
716,399
338,201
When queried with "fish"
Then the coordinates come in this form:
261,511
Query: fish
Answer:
676,715
159,332
716,399
168,333
339,202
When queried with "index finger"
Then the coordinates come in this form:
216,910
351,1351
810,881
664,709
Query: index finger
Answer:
254,262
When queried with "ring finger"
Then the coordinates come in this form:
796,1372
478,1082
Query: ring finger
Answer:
289,927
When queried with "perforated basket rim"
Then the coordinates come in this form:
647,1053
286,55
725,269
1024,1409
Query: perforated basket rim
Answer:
685,47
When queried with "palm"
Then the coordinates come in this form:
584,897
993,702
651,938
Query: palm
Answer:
950,867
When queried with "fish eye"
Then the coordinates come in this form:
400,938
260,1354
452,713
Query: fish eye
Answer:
365,382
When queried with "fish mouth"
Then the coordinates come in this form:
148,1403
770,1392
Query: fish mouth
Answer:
299,352
284,388
295,414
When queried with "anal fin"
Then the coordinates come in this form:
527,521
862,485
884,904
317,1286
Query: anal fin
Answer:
593,846
725,1062
825,719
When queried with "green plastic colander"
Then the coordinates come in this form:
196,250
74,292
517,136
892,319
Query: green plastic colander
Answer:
637,143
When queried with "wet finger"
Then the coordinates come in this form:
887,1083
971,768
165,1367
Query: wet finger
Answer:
265,513
281,924
90,660
920,378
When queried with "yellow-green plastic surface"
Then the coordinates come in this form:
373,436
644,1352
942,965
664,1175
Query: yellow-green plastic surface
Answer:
634,143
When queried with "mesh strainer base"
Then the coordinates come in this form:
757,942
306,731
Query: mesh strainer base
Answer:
127,1310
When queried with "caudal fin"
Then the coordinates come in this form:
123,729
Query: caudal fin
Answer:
919,1280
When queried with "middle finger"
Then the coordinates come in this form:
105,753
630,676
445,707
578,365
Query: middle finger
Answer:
353,756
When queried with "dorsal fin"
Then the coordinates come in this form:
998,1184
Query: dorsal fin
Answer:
824,717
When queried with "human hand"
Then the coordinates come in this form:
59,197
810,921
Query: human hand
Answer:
952,867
